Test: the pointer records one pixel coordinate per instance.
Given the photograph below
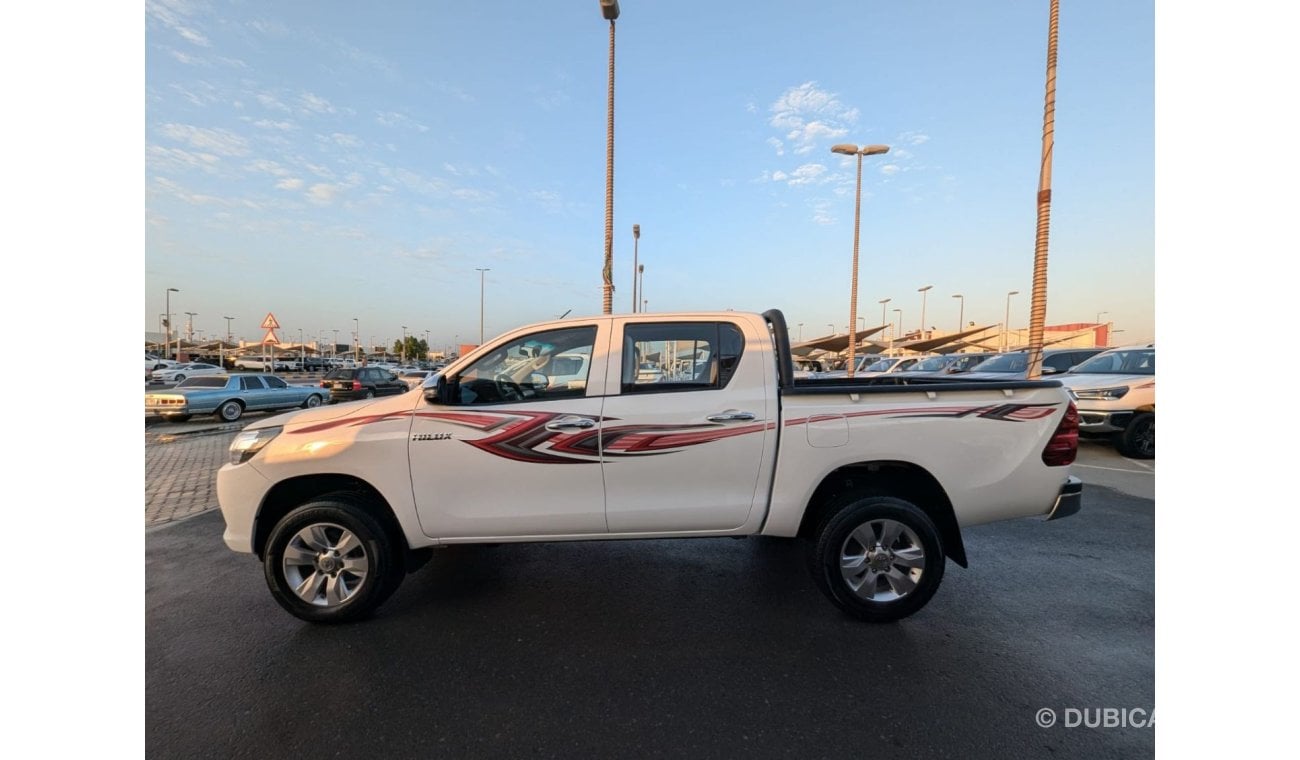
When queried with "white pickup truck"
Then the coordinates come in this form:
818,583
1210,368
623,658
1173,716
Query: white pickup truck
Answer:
341,502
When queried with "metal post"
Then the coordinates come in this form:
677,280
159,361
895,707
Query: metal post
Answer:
609,10
636,239
482,274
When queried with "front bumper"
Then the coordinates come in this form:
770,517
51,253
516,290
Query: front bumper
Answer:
1069,500
1103,421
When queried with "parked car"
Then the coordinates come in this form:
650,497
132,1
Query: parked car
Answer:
152,363
229,396
414,377
266,364
339,504
1116,395
871,365
1014,365
360,383
182,371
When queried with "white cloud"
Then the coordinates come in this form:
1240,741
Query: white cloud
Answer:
777,145
470,194
889,170
322,193
807,175
270,101
913,138
292,183
394,119
315,103
176,158
221,141
346,140
269,167
809,117
175,15
822,212
283,126
779,176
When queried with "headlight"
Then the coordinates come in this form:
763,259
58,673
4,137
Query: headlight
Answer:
1103,394
249,442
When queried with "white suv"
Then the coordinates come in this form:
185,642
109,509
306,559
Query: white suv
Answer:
1115,392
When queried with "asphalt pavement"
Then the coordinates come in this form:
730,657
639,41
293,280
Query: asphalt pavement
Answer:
673,648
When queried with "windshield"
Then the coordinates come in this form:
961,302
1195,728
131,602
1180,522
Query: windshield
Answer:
881,365
933,364
203,382
1141,361
1003,363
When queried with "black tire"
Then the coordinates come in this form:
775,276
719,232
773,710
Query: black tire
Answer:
333,513
230,411
178,378
896,589
370,393
177,417
313,401
1138,441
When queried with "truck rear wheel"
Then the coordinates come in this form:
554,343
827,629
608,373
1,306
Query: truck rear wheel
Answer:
330,561
878,558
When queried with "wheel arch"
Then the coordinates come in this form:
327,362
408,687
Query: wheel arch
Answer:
291,493
903,480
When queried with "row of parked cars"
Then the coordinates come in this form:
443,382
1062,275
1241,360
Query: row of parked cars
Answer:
1114,389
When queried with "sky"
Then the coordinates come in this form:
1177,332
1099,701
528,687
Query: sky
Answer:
336,161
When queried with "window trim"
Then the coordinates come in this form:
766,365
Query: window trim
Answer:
454,381
632,389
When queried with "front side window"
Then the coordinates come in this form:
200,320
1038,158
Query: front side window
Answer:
275,382
536,367
680,356
1131,362
251,383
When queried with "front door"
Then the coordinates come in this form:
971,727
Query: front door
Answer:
515,452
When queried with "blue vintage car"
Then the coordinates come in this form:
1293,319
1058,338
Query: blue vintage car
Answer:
229,396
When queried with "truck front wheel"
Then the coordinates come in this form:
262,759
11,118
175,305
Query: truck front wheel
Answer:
330,561
877,558
1138,440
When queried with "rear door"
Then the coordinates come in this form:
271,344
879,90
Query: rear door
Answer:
684,443
253,392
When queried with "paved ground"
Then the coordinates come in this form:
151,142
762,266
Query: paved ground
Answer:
690,648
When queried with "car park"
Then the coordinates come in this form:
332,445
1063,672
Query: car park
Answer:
229,396
870,365
1014,365
361,383
182,371
1116,395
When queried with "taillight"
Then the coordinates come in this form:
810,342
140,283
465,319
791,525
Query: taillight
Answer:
356,386
1064,445
324,384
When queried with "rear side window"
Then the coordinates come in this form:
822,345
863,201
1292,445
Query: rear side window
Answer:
275,382
678,356
251,383
340,374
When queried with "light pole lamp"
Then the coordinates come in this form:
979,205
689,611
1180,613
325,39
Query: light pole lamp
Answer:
922,291
636,239
832,326
1097,321
854,150
482,274
609,11
961,313
167,347
801,332
1006,323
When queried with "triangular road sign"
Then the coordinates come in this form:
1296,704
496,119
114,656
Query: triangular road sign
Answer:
269,323
270,337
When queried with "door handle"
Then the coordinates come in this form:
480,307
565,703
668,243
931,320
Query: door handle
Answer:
570,423
731,415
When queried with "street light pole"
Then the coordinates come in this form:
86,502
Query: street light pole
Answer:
882,302
334,349
302,351
1006,324
898,327
482,273
961,314
1038,295
801,332
922,291
356,340
608,10
636,239
167,347
403,345
832,326
189,327
854,150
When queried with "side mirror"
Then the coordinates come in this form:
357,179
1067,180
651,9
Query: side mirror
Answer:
1051,371
539,381
437,392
